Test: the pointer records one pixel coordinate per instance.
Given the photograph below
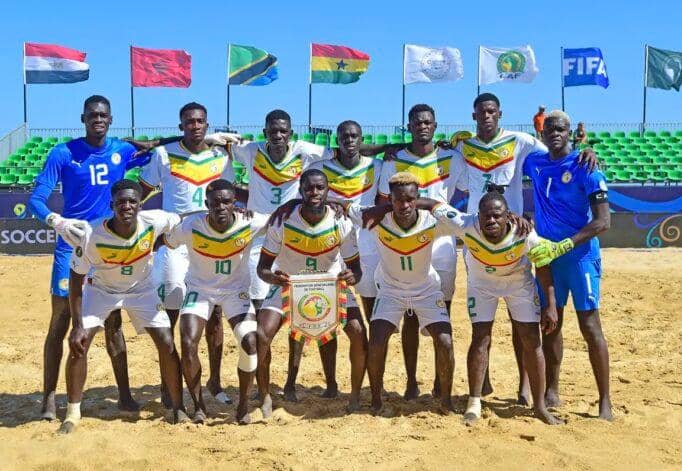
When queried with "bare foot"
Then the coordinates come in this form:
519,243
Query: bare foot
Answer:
445,407
266,407
180,417
605,410
470,419
199,417
377,405
290,394
128,404
552,398
354,403
546,417
331,392
67,427
49,409
411,392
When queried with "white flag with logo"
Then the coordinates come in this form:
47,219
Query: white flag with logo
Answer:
431,64
498,64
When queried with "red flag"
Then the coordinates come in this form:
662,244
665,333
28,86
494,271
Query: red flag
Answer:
161,68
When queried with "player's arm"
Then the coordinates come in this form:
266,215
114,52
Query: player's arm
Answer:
271,247
78,338
389,150
218,138
549,317
601,219
353,272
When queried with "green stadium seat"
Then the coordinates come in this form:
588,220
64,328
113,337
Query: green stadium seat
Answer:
334,142
627,159
65,139
142,138
655,140
4,170
367,139
396,139
294,136
603,134
658,176
591,134
661,159
322,139
308,137
52,139
380,139
610,175
247,137
408,137
677,159
649,133
25,179
36,139
611,140
16,157
31,145
623,175
639,140
633,134
261,138
640,176
8,179
645,159
675,175
439,136
619,134
664,134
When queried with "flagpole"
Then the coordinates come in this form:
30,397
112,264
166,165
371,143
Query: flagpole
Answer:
478,73
561,70
228,87
310,88
132,96
25,107
402,115
646,72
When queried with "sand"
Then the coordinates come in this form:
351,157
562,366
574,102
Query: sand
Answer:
641,316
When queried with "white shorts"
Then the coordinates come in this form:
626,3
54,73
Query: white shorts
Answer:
170,269
144,307
273,300
444,260
428,309
201,303
367,287
259,289
520,295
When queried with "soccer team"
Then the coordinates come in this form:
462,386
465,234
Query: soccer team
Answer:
384,227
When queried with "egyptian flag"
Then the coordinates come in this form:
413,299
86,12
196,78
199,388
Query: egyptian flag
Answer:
336,64
49,63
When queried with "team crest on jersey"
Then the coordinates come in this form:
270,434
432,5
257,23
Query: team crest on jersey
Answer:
115,158
536,300
566,177
510,256
440,170
159,307
440,303
239,242
64,284
331,241
243,295
423,238
145,244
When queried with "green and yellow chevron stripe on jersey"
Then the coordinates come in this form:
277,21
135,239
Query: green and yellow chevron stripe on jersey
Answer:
225,247
494,257
405,244
349,183
427,172
194,170
129,253
311,244
486,158
277,173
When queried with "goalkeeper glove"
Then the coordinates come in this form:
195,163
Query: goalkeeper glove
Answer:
460,136
547,251
71,230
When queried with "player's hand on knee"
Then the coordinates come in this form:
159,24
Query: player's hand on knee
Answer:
222,138
78,341
549,319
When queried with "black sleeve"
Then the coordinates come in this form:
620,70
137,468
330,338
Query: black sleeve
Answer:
599,197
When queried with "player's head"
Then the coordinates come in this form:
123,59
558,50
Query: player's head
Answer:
493,215
404,189
313,188
349,135
487,113
125,200
422,123
277,130
220,199
96,116
581,125
193,122
555,134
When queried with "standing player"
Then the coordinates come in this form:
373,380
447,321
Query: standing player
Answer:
87,167
407,282
182,170
571,208
218,241
117,253
312,239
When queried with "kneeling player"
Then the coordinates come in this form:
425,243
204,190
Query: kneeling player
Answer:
217,243
312,239
117,252
497,267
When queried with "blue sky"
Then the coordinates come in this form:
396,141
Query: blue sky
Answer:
105,30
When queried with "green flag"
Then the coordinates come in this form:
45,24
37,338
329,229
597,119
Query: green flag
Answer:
664,69
251,66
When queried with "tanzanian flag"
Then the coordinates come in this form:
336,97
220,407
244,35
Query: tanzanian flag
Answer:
251,66
336,64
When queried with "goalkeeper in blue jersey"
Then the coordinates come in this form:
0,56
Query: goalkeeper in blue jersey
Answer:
87,168
571,208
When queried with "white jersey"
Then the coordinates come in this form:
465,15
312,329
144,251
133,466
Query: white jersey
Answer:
405,267
272,184
182,176
299,246
121,265
359,184
437,173
216,259
500,161
486,261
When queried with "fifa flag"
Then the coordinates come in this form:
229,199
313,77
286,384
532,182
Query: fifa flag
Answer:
496,64
251,66
336,64
584,66
663,69
48,63
427,64
160,67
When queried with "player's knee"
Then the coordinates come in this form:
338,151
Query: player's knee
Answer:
250,343
189,346
355,331
165,343
443,340
245,332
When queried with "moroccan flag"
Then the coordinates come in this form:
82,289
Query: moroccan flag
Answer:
251,66
160,68
664,69
337,64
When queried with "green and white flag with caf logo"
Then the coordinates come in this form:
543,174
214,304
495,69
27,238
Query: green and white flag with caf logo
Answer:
498,64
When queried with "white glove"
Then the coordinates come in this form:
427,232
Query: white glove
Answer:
222,138
71,230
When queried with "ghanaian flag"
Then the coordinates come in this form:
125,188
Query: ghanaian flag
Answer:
336,64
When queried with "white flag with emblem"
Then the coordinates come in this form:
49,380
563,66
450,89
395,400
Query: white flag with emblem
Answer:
498,64
431,64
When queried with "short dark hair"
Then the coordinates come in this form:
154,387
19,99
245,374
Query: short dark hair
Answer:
125,184
193,106
493,195
91,100
348,122
277,114
312,172
419,109
219,184
486,97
